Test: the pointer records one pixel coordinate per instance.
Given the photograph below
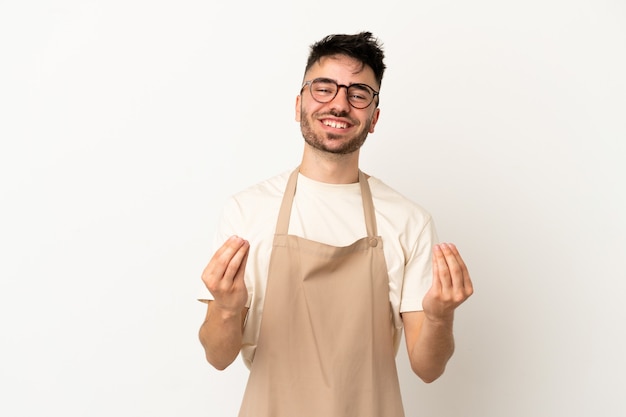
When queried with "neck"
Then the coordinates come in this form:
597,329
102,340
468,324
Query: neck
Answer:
330,168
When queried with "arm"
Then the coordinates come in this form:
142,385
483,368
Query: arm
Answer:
429,333
222,330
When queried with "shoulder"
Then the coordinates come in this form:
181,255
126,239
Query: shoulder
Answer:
267,189
255,203
390,202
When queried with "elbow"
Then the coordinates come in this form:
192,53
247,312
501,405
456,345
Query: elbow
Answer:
218,363
219,366
430,370
218,355
429,376
431,366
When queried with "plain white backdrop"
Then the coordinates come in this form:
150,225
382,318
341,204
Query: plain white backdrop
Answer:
124,125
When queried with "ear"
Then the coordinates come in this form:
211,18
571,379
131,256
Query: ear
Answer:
374,120
298,99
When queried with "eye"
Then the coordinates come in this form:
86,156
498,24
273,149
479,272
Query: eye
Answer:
360,93
323,88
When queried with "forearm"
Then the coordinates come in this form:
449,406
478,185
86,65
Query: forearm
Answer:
432,349
221,335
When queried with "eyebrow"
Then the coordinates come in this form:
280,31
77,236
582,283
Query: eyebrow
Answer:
357,85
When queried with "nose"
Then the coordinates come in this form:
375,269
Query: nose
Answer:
341,102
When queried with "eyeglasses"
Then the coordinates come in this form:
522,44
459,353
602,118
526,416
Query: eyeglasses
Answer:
324,90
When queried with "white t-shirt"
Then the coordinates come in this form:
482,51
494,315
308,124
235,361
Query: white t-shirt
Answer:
330,214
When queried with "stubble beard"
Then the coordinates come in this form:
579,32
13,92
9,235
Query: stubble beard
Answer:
316,140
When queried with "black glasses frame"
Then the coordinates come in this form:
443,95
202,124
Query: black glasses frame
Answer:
339,86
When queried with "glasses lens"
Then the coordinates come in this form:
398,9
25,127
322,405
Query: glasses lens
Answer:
323,90
360,95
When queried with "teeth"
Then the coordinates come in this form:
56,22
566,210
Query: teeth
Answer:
334,124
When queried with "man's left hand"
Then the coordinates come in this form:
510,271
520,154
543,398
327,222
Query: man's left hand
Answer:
451,285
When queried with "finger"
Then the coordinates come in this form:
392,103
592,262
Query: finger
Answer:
236,262
456,271
454,250
221,259
239,262
443,271
239,276
467,281
228,249
436,285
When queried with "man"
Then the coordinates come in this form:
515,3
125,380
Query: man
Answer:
331,264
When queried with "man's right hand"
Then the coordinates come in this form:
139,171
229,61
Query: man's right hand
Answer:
223,276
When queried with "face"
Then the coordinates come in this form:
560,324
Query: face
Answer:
336,127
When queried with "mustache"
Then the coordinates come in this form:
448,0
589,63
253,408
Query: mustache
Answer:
335,113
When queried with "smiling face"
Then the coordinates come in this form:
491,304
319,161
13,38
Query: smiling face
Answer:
336,127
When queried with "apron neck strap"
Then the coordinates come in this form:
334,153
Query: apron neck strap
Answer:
368,206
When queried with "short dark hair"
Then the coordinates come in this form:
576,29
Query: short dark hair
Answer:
362,46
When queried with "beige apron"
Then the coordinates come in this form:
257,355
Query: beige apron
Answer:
325,346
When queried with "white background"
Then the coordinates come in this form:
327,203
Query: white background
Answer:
126,124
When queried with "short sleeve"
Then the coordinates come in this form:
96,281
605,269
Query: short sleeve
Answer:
418,269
